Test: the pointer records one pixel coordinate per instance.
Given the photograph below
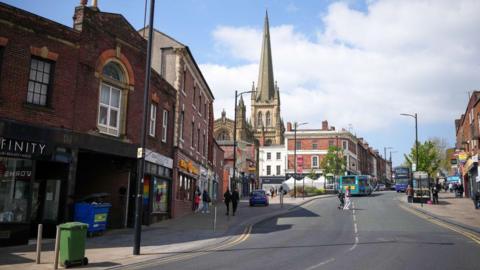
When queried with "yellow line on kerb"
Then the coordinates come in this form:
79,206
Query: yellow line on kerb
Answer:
456,229
244,236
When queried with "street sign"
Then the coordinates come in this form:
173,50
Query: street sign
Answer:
414,167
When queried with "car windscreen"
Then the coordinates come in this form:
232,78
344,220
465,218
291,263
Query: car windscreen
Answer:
258,193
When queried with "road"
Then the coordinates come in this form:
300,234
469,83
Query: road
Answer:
376,234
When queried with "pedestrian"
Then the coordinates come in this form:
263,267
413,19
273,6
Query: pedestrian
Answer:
460,190
341,197
196,202
409,192
235,199
347,198
476,200
450,187
205,200
435,195
445,186
227,198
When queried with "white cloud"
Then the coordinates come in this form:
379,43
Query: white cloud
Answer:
364,68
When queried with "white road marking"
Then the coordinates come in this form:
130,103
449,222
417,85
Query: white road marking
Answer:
354,218
321,264
356,229
354,245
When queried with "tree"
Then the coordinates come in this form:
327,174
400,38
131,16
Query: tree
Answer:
429,159
333,162
312,174
444,153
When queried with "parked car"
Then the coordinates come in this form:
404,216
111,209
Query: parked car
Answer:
381,187
258,197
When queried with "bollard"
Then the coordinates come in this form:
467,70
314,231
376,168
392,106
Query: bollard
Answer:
39,243
57,248
215,219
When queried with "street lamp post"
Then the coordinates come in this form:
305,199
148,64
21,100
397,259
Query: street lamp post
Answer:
295,160
416,145
235,136
141,167
385,158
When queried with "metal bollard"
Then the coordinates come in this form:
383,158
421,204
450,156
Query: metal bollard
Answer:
39,243
57,248
215,218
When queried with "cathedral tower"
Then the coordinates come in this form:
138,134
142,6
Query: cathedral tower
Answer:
265,101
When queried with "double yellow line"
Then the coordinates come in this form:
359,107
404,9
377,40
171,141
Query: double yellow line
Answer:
457,229
195,253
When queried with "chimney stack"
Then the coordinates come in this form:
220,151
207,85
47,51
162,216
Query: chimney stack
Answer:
325,125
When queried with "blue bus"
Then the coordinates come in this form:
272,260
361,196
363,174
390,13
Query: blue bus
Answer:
359,184
401,177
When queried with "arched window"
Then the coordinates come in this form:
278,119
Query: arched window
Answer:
110,102
268,142
259,119
223,136
268,121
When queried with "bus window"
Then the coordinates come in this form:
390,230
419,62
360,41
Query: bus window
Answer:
348,180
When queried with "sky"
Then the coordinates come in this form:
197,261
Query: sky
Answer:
357,64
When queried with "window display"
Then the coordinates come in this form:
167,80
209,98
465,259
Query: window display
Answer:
15,176
160,196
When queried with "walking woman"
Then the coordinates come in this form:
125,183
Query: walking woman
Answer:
347,198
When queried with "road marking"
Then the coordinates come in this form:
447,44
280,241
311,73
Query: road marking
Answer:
355,244
456,229
154,262
354,218
321,264
356,229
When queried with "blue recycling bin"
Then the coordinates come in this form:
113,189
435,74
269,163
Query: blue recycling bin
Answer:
93,214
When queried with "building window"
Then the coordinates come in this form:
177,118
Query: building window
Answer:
153,119
164,126
193,134
194,94
299,145
198,140
269,170
279,156
330,143
345,144
269,155
182,119
184,79
268,121
314,146
259,119
314,162
205,145
200,103
1,59
278,170
39,83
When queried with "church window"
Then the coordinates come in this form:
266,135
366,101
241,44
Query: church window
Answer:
268,121
259,119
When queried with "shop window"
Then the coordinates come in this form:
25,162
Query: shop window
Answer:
160,195
165,126
110,105
39,82
15,178
153,119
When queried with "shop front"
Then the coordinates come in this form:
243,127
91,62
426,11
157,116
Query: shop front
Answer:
157,188
471,179
187,175
34,169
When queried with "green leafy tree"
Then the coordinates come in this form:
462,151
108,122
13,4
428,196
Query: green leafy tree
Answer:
333,162
429,157
312,174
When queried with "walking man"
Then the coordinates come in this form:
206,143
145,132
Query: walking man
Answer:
205,200
235,199
435,195
227,197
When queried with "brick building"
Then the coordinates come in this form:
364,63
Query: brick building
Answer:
467,130
193,139
71,104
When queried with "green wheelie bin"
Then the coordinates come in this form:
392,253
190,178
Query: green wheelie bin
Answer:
72,244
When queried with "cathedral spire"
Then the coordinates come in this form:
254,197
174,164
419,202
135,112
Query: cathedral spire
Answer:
265,84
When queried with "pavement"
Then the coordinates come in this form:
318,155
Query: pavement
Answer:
457,211
160,240
377,233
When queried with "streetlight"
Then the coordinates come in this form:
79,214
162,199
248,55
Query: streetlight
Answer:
235,134
385,158
416,145
141,169
295,160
